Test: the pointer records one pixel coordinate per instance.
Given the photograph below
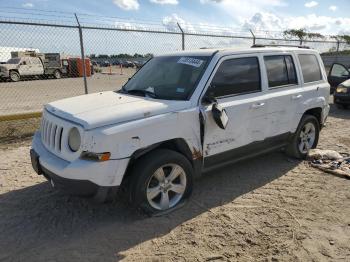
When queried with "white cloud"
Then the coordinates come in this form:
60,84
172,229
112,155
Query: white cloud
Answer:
311,4
170,23
252,2
264,21
240,10
28,5
333,8
127,4
165,2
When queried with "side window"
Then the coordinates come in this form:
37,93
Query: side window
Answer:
237,76
339,71
280,70
310,68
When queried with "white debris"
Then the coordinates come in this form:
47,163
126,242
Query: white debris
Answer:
318,154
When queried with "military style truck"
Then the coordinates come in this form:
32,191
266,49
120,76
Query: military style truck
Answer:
30,63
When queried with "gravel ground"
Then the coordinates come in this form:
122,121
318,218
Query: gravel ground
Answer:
270,208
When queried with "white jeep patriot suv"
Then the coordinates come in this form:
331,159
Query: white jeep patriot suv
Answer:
182,114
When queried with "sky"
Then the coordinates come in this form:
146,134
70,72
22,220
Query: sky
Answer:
327,17
267,18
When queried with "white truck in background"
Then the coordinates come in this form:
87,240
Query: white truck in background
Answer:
30,63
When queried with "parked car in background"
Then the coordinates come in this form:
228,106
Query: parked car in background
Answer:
342,94
105,63
116,63
29,64
128,64
338,74
139,64
180,115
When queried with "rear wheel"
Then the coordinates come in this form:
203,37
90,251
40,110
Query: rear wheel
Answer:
14,76
305,138
160,181
57,74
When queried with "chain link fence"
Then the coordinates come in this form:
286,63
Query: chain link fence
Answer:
100,54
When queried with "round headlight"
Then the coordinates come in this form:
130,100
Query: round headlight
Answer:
74,139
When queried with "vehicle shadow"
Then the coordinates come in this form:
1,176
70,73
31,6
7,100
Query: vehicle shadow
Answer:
38,223
339,112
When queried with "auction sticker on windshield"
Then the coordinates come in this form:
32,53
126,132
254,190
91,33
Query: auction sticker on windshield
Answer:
190,61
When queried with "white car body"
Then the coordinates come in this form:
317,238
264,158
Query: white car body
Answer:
26,66
126,125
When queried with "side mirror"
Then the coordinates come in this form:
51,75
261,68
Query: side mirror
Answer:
209,97
219,115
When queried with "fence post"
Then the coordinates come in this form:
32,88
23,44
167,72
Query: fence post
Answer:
338,45
254,38
82,53
183,36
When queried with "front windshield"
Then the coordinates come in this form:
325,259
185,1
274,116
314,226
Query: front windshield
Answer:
14,61
168,77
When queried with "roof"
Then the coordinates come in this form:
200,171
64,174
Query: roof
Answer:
228,51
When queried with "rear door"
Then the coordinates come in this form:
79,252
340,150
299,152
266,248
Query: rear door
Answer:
338,74
36,66
236,84
284,93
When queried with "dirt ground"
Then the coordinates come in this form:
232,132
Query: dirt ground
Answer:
270,208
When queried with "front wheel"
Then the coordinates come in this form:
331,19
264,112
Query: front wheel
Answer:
160,181
14,76
305,137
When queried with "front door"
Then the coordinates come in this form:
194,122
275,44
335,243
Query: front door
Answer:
236,85
24,67
338,74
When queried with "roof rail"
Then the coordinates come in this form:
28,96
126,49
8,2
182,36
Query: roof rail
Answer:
271,45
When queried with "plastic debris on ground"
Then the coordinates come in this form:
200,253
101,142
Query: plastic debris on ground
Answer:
330,161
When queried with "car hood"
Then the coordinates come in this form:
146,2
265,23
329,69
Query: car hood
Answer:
9,66
346,83
105,108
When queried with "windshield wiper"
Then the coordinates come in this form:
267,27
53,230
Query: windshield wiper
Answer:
142,92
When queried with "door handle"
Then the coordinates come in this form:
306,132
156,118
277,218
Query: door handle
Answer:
296,97
258,105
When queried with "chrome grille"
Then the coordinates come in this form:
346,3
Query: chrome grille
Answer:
51,135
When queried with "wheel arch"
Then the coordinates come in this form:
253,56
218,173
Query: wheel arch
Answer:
15,70
316,112
178,145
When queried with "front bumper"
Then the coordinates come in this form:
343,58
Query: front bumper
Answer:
79,172
72,186
343,99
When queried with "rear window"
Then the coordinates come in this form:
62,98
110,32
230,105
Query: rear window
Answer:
310,68
280,70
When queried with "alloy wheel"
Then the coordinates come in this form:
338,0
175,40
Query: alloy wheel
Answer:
166,186
307,137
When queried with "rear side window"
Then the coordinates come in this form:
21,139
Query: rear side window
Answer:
310,68
280,70
237,76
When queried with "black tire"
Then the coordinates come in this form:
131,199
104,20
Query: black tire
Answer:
293,147
142,174
57,74
15,76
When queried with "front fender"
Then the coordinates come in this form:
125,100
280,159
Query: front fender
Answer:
124,139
